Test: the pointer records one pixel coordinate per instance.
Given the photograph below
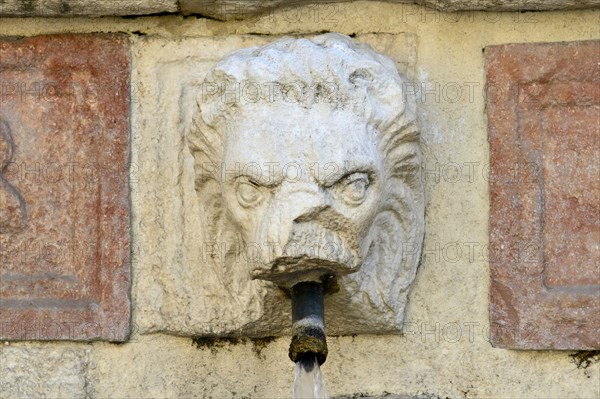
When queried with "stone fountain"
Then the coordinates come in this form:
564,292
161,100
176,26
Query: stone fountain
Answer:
308,166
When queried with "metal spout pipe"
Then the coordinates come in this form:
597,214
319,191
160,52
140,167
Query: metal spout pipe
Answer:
308,323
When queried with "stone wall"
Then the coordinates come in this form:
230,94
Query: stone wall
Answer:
224,10
445,350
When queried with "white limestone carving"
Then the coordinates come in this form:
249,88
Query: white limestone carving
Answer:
307,162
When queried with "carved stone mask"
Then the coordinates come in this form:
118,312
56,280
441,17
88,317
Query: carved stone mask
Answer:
307,158
307,186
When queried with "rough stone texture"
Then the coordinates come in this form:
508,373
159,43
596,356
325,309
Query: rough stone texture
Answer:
543,102
436,357
414,366
238,9
96,8
194,290
64,235
38,372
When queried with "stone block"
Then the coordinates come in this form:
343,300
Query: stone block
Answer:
543,103
70,8
176,285
36,372
237,9
64,234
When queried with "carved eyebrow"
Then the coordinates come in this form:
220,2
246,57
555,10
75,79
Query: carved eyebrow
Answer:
329,179
263,180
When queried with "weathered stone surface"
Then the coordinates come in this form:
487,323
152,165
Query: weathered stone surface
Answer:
189,290
241,9
36,372
543,104
64,236
307,169
445,351
415,366
96,8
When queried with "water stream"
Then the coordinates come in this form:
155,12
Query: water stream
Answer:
308,381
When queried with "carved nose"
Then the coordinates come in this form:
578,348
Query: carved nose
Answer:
296,203
307,240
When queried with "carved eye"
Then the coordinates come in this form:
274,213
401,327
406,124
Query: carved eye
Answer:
353,188
249,194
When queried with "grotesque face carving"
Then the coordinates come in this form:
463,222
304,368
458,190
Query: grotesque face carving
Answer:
300,171
307,163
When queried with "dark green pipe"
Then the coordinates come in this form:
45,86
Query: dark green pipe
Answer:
308,323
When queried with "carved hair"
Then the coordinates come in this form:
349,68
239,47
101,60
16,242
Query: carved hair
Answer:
331,70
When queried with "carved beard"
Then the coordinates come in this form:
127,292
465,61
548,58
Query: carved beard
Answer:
312,244
313,247
320,245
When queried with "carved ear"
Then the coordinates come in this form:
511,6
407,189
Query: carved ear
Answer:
391,263
386,254
396,235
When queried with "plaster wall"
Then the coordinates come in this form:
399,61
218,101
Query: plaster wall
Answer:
444,351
